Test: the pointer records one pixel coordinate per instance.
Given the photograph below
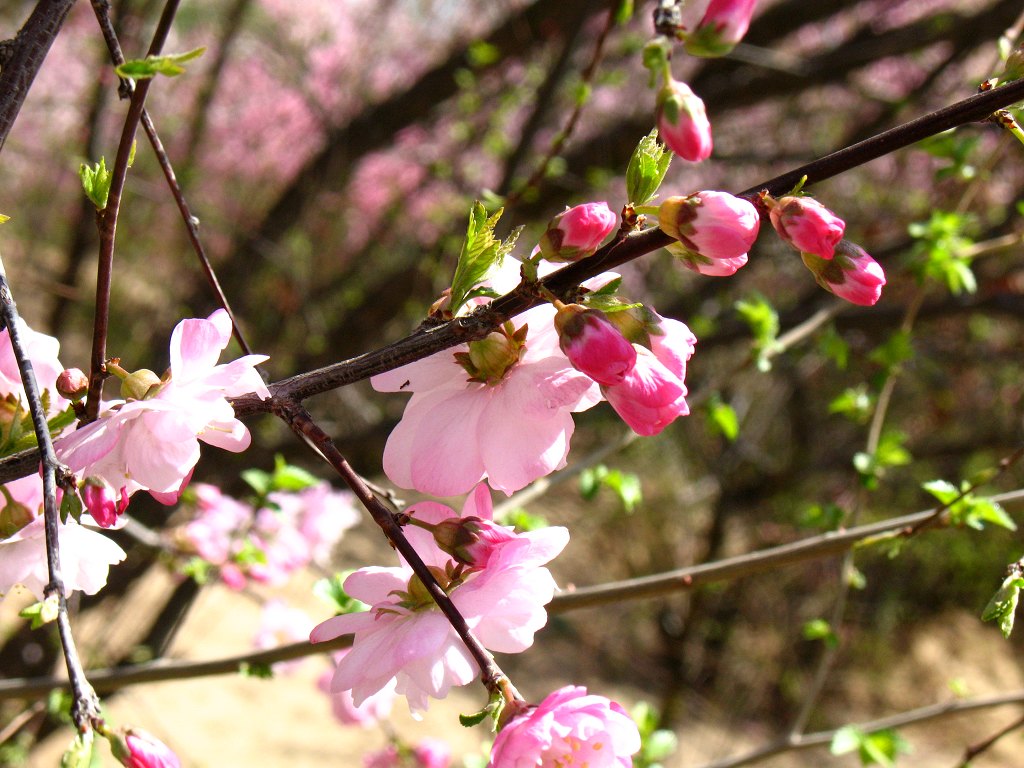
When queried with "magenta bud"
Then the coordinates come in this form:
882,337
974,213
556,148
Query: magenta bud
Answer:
577,232
851,274
807,225
683,122
593,344
136,748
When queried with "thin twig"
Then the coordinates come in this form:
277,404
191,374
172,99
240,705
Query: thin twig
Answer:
101,9
296,417
106,221
85,709
684,579
974,750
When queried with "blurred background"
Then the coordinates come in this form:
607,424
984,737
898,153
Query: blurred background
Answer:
331,152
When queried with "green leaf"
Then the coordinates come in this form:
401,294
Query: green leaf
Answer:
896,350
625,485
287,477
332,591
258,480
42,612
942,251
481,54
856,403
845,740
96,182
722,418
71,507
524,521
970,511
819,629
468,721
609,304
1002,607
763,321
877,748
480,252
168,65
834,347
646,170
80,752
826,516
889,453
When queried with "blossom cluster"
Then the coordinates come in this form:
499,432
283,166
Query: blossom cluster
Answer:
268,542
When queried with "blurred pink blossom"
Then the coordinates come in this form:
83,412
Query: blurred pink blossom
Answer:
281,624
404,637
153,444
724,24
569,727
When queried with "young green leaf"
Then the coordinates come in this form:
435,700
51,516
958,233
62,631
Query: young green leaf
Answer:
647,168
169,65
96,182
723,419
763,321
332,592
1002,607
480,252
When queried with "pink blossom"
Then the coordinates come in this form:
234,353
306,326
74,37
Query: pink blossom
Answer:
456,432
683,122
672,343
320,514
593,345
432,753
852,274
405,638
137,748
650,397
724,24
153,444
219,517
42,351
704,265
86,556
376,706
807,225
714,225
577,232
281,624
568,727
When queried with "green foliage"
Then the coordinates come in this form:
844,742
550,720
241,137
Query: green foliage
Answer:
284,477
169,65
942,251
480,252
18,433
493,710
878,748
1002,607
257,670
41,613
646,170
606,300
856,403
890,453
722,418
197,569
763,321
956,149
80,752
624,12
970,510
96,182
625,485
332,592
824,516
656,743
523,521
893,352
834,347
71,507
819,629
481,54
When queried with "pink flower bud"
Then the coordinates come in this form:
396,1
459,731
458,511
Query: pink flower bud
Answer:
73,384
569,727
577,232
852,274
704,265
593,345
724,24
136,748
471,540
650,397
102,502
714,225
432,753
807,225
683,122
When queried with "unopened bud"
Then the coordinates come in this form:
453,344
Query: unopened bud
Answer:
577,232
683,122
136,748
135,386
73,384
593,344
